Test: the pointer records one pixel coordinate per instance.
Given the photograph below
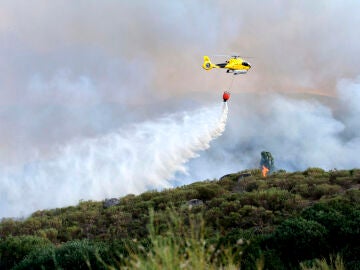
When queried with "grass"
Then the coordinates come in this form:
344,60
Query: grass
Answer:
182,246
335,263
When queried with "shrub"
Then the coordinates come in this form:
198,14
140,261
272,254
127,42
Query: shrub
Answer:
353,195
8,226
255,172
303,190
209,191
71,255
344,181
69,233
251,253
272,199
286,183
79,254
243,184
325,190
355,173
341,219
297,239
13,249
314,171
43,258
316,191
251,186
50,234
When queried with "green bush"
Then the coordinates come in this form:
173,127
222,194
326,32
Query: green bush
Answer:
325,190
209,191
79,254
69,233
297,239
242,184
13,249
50,234
284,183
355,173
43,258
71,255
314,171
344,181
253,217
255,172
341,219
353,195
255,256
251,252
9,226
315,191
272,199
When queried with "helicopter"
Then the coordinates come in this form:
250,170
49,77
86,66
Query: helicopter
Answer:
235,65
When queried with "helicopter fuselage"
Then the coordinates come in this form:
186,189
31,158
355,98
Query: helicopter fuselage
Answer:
234,65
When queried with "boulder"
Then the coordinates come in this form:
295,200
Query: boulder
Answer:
110,202
195,202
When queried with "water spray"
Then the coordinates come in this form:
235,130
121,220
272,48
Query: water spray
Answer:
144,156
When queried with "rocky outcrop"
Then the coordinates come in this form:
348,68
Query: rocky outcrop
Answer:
195,202
110,202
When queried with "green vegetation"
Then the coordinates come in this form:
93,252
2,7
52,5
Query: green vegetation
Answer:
299,220
181,246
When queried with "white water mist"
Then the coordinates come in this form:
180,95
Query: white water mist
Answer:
145,156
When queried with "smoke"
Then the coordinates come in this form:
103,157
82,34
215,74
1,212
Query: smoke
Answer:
91,68
300,131
142,157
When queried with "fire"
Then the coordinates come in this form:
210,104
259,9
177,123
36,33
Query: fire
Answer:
264,171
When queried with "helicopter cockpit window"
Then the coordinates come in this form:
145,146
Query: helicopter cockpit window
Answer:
245,64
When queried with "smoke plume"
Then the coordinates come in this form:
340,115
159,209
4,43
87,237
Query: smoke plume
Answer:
300,131
145,156
98,66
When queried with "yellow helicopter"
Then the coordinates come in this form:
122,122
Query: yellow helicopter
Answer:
235,65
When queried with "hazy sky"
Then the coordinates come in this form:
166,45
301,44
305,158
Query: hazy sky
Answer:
79,68
71,70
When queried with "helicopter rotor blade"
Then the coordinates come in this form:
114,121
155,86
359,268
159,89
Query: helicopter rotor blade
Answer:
232,56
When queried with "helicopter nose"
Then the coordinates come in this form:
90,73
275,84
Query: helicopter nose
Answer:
246,64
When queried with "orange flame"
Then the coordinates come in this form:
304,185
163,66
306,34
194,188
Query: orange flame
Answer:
264,171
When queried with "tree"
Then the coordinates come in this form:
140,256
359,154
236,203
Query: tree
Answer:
267,160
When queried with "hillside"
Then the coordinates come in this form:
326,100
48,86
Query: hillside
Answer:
242,218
